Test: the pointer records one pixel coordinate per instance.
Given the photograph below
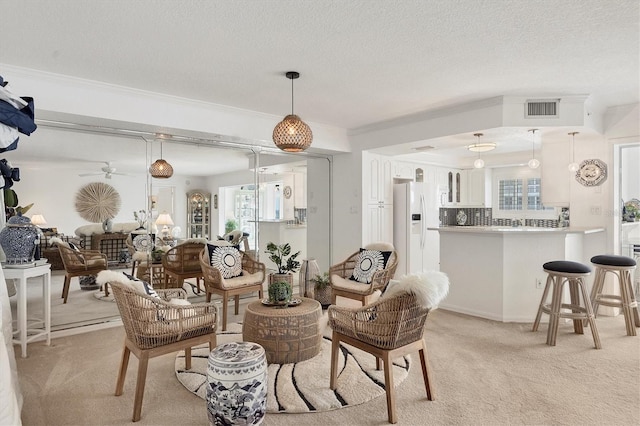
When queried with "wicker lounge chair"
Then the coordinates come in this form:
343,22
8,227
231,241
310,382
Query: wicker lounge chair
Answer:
156,327
78,263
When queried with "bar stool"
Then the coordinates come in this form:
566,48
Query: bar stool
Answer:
621,267
559,272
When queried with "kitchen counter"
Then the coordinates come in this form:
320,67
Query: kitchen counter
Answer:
522,230
496,271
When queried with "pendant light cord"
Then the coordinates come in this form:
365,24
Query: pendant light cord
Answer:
292,96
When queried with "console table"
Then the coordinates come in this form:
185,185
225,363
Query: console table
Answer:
110,244
22,274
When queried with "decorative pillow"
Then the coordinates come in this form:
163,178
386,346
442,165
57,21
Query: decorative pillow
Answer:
73,246
142,242
368,262
142,287
227,259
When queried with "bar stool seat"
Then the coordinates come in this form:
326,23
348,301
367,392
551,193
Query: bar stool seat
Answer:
621,267
559,272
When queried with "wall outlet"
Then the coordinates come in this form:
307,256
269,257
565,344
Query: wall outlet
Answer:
539,283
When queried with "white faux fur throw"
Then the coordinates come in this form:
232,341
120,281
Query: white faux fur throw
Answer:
111,276
58,241
430,288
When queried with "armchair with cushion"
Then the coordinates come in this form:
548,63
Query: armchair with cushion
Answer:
182,262
157,323
389,328
253,275
79,263
370,280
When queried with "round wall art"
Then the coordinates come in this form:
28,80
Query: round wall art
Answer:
97,202
591,172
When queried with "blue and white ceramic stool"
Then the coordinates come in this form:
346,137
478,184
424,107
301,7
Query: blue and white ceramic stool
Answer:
621,267
237,384
561,272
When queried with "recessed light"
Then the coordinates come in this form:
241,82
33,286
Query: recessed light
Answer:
424,148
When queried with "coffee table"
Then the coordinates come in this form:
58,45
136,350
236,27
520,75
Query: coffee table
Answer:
288,335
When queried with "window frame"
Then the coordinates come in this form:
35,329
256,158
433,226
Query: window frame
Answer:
524,174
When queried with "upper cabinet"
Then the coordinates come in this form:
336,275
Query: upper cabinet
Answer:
198,214
478,187
450,186
402,170
377,179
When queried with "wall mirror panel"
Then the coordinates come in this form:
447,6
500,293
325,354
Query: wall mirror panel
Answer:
296,186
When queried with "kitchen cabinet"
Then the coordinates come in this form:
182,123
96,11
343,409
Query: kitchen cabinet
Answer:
198,214
377,179
379,224
477,187
450,186
402,170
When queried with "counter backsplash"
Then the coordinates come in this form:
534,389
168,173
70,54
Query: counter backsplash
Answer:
483,217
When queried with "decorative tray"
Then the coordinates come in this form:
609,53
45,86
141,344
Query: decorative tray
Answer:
293,302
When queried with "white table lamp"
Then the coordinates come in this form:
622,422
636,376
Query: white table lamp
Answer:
165,220
38,220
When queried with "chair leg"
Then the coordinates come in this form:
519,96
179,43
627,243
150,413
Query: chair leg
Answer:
378,363
390,390
237,304
208,297
574,293
123,370
335,347
143,363
106,289
187,358
426,371
591,317
545,294
554,318
225,302
334,297
65,288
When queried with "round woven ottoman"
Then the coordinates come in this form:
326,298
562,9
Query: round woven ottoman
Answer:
237,384
288,335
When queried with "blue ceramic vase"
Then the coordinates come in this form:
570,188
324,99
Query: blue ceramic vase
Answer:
18,240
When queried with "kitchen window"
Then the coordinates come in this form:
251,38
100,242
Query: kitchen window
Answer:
520,195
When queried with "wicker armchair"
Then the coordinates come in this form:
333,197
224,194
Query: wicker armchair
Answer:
79,263
387,329
156,327
182,262
342,286
251,280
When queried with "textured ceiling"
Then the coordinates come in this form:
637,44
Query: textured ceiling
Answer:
361,61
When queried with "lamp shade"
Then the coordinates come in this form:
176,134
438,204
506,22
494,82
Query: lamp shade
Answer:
161,169
292,134
38,220
164,219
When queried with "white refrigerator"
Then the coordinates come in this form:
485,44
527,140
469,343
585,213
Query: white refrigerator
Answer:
415,208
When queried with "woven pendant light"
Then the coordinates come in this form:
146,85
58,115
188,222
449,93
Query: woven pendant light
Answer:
160,168
292,134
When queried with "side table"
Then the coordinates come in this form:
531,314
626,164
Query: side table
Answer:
22,274
287,335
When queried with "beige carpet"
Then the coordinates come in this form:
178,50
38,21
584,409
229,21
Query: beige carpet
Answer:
301,387
485,373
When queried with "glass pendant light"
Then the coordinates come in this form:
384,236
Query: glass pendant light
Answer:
533,163
480,147
573,166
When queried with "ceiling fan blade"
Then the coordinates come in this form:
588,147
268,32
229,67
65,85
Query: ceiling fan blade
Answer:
89,174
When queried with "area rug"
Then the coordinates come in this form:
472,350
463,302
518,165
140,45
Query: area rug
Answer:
304,386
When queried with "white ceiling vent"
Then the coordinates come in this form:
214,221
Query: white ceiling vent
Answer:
541,108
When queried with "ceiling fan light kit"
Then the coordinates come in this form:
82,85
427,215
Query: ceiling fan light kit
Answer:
292,134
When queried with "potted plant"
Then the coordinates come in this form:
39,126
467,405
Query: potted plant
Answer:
284,261
322,289
280,293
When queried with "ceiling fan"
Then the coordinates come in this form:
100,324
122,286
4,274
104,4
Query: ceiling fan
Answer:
107,170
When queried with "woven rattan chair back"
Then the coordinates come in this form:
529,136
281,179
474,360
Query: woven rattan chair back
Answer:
182,262
379,282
